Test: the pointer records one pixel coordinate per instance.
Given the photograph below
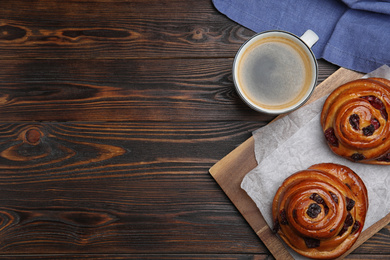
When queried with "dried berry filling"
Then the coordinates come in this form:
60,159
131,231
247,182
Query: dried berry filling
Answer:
384,158
295,216
331,137
313,210
357,157
354,120
347,223
350,203
368,130
355,227
317,198
311,242
375,123
283,217
377,104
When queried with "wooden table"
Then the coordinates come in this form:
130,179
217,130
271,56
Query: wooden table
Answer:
112,113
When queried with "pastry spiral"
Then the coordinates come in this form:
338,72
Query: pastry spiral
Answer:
320,212
355,121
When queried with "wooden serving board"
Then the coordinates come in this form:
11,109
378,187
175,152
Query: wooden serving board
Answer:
230,171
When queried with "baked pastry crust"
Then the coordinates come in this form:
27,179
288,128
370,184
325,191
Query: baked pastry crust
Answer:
354,119
320,212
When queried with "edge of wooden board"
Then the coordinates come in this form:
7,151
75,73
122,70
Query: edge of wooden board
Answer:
230,170
228,173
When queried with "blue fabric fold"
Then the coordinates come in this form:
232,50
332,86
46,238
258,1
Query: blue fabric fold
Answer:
353,34
370,5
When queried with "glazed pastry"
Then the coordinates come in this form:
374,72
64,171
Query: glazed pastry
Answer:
355,121
320,212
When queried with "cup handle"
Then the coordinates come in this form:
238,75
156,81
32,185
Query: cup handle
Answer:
310,38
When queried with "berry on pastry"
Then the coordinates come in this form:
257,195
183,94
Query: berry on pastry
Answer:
320,212
355,123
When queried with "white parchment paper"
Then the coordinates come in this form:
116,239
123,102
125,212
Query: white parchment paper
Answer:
296,142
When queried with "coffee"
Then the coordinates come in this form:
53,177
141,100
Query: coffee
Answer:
275,72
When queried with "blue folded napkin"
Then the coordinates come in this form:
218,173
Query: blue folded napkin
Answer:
353,34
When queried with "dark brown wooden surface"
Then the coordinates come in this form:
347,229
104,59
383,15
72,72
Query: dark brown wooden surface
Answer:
111,114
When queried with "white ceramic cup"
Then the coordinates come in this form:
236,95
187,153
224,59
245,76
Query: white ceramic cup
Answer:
275,72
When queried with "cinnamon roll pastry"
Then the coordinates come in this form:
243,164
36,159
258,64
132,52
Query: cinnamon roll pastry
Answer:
355,121
320,212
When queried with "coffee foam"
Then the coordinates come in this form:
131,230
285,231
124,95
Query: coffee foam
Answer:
275,73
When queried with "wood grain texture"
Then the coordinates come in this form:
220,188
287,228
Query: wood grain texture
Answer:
150,256
122,90
117,29
228,173
118,188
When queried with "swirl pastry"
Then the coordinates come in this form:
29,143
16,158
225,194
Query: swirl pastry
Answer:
355,121
320,212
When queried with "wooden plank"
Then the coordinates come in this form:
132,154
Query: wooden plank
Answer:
134,188
230,171
171,256
122,90
188,256
141,90
116,29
